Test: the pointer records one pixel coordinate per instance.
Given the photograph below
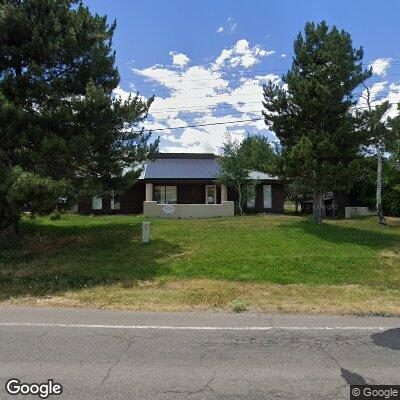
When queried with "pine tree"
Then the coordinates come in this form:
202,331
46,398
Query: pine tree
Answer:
311,113
61,129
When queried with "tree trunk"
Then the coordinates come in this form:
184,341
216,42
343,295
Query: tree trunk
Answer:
8,232
296,207
379,211
317,207
240,201
9,220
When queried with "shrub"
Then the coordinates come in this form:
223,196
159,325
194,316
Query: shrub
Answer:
56,215
239,305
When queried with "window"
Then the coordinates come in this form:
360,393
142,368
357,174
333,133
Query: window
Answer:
159,194
115,202
251,203
267,196
165,194
211,194
97,203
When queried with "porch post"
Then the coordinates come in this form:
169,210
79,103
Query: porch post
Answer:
224,193
149,192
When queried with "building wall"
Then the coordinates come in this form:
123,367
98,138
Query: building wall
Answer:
339,201
188,192
188,211
131,202
358,212
277,192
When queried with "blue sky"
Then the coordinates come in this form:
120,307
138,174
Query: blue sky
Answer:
206,61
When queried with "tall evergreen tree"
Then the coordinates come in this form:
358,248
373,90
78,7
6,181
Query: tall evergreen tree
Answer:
311,113
61,129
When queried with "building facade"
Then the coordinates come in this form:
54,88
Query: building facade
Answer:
180,185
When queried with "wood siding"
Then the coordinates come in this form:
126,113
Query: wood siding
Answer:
188,192
277,198
131,202
334,206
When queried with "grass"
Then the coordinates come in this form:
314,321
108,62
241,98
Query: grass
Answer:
269,263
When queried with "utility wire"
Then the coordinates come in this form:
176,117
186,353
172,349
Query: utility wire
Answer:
153,91
222,123
206,124
179,74
238,103
216,94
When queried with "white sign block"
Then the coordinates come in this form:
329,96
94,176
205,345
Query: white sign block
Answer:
169,209
145,232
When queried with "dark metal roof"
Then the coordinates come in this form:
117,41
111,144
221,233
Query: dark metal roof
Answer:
189,166
171,166
185,155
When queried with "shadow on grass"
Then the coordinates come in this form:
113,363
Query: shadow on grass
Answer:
53,258
373,239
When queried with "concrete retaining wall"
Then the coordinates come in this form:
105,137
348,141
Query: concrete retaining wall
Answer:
357,212
188,211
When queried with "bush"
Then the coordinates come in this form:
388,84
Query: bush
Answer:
239,306
56,215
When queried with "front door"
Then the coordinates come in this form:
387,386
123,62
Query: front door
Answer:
211,194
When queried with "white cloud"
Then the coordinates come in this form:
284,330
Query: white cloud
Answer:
391,94
241,55
123,94
374,91
394,99
283,55
229,27
179,59
380,66
204,94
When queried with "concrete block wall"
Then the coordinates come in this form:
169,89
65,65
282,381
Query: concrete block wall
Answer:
188,211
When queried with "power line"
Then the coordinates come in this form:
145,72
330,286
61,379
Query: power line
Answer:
206,124
238,103
222,123
259,111
156,82
189,109
217,94
155,91
179,74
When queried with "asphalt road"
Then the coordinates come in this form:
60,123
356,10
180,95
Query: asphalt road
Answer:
99,354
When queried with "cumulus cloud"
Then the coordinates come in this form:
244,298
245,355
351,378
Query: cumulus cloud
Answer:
179,59
241,55
379,93
229,27
203,95
380,66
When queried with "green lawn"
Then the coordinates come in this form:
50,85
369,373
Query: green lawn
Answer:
101,261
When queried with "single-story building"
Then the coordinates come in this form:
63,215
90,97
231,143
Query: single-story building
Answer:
338,205
184,185
334,204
